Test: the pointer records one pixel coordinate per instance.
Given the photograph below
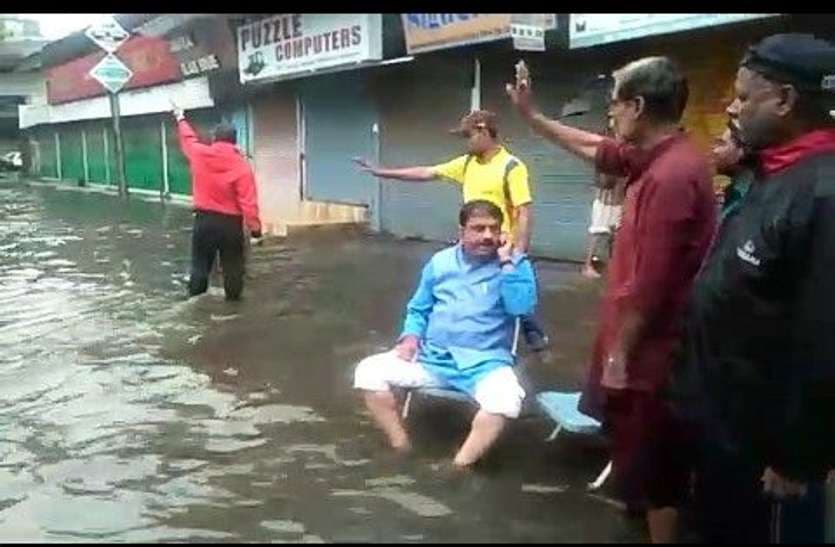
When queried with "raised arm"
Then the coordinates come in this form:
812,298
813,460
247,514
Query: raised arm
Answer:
582,144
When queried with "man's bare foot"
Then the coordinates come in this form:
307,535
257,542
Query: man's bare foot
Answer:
590,273
450,469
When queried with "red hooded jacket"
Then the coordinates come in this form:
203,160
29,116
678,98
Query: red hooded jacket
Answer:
221,179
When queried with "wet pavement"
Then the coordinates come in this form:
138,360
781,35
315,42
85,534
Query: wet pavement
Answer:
128,413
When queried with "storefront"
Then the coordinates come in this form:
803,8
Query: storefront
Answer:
311,112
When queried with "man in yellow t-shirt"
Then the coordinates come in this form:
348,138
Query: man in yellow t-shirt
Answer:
487,171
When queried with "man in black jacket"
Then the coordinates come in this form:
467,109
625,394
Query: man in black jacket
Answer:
758,373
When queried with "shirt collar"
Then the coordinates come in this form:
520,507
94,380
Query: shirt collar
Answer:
781,156
645,157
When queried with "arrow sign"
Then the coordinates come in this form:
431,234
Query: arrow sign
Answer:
112,73
107,34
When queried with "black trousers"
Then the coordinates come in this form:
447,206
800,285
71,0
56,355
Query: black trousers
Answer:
213,233
731,508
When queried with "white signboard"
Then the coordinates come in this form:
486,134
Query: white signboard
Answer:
528,31
112,73
591,29
292,45
107,34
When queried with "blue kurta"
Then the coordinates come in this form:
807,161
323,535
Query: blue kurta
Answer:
463,312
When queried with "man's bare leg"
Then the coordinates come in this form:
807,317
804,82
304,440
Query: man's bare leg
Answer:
485,429
663,524
386,413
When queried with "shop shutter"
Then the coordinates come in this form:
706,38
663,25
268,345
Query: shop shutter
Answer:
419,102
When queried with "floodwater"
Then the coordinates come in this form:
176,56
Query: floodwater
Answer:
129,414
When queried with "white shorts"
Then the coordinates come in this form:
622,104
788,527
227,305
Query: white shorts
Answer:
498,392
604,218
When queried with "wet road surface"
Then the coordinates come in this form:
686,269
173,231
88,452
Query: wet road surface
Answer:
128,413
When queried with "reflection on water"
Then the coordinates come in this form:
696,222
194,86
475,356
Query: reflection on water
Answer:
128,413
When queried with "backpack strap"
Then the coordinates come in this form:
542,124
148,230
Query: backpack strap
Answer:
511,164
467,164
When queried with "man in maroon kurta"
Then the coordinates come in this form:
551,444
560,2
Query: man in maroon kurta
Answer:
668,222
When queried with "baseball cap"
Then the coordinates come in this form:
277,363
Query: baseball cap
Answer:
477,119
794,58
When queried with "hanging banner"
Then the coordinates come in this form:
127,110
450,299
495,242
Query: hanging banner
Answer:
591,29
432,31
297,44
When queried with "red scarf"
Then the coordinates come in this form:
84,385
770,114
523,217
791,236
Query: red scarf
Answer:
785,155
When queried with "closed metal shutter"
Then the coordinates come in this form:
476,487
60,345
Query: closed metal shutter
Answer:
561,184
72,162
339,115
99,154
143,154
418,103
45,136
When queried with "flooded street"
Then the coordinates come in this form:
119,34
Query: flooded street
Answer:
128,413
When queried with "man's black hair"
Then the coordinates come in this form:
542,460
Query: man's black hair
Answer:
479,207
225,132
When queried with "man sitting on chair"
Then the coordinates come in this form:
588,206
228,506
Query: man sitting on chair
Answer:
458,333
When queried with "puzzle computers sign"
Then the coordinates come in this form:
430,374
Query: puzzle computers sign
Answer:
296,44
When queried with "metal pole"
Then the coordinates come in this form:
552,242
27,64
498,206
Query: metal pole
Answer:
377,201
163,189
120,151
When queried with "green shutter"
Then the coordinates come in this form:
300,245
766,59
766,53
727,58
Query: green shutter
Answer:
72,162
46,143
143,152
97,153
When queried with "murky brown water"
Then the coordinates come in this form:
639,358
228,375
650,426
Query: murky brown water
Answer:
128,413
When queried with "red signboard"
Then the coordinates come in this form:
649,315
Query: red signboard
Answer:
149,58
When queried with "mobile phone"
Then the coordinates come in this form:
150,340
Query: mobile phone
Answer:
523,78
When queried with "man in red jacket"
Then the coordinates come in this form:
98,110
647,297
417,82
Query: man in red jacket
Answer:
225,198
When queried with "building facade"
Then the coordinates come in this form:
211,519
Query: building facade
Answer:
309,92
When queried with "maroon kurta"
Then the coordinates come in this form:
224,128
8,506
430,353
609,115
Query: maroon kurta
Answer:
669,216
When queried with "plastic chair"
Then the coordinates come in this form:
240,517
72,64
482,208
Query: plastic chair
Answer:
562,409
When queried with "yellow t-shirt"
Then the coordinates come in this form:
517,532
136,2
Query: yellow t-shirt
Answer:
486,181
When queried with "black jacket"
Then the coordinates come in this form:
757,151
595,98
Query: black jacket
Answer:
758,364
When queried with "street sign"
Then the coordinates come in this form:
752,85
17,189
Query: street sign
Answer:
107,34
112,73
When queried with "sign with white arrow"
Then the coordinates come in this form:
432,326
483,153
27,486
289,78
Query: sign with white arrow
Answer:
107,34
112,73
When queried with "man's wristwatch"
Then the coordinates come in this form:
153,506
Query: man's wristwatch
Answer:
505,262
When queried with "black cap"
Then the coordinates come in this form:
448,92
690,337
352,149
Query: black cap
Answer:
798,59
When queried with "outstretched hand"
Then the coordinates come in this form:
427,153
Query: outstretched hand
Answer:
363,164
